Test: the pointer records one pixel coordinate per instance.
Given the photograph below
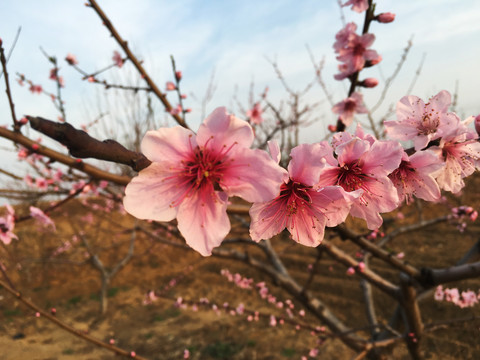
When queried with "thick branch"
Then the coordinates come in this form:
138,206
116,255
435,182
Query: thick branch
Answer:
82,145
432,277
93,171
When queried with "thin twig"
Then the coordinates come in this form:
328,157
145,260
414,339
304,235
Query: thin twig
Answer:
66,327
124,45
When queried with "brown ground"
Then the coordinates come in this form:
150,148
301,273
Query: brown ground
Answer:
162,331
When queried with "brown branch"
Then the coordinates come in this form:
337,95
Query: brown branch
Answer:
414,320
432,277
124,45
372,277
66,327
375,250
82,145
16,124
93,171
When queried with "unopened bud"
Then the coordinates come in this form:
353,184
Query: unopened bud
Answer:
332,128
376,61
385,18
477,124
369,83
178,75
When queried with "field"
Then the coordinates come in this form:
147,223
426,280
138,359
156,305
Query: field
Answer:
164,329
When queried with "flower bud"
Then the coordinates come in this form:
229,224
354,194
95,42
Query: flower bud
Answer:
332,128
376,61
369,82
385,18
477,124
178,75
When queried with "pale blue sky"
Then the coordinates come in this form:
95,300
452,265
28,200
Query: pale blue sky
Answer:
235,38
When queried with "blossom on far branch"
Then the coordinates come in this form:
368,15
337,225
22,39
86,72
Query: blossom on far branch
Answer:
364,164
54,76
7,224
463,300
42,218
347,108
353,51
71,59
302,207
255,114
117,59
422,122
192,176
357,5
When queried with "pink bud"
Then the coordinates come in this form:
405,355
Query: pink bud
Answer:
35,147
23,120
477,124
361,266
350,271
332,128
111,341
376,61
385,18
170,86
369,82
178,75
53,311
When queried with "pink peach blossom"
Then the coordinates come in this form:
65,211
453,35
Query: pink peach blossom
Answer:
71,59
349,107
357,5
42,218
191,177
422,122
255,114
415,176
302,207
117,59
345,36
7,224
460,151
366,166
355,54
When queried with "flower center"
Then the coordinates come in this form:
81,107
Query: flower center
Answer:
429,124
296,195
351,177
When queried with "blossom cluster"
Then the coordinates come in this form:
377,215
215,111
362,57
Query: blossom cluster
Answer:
192,176
461,299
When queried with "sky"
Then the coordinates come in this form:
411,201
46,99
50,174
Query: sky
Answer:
237,40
